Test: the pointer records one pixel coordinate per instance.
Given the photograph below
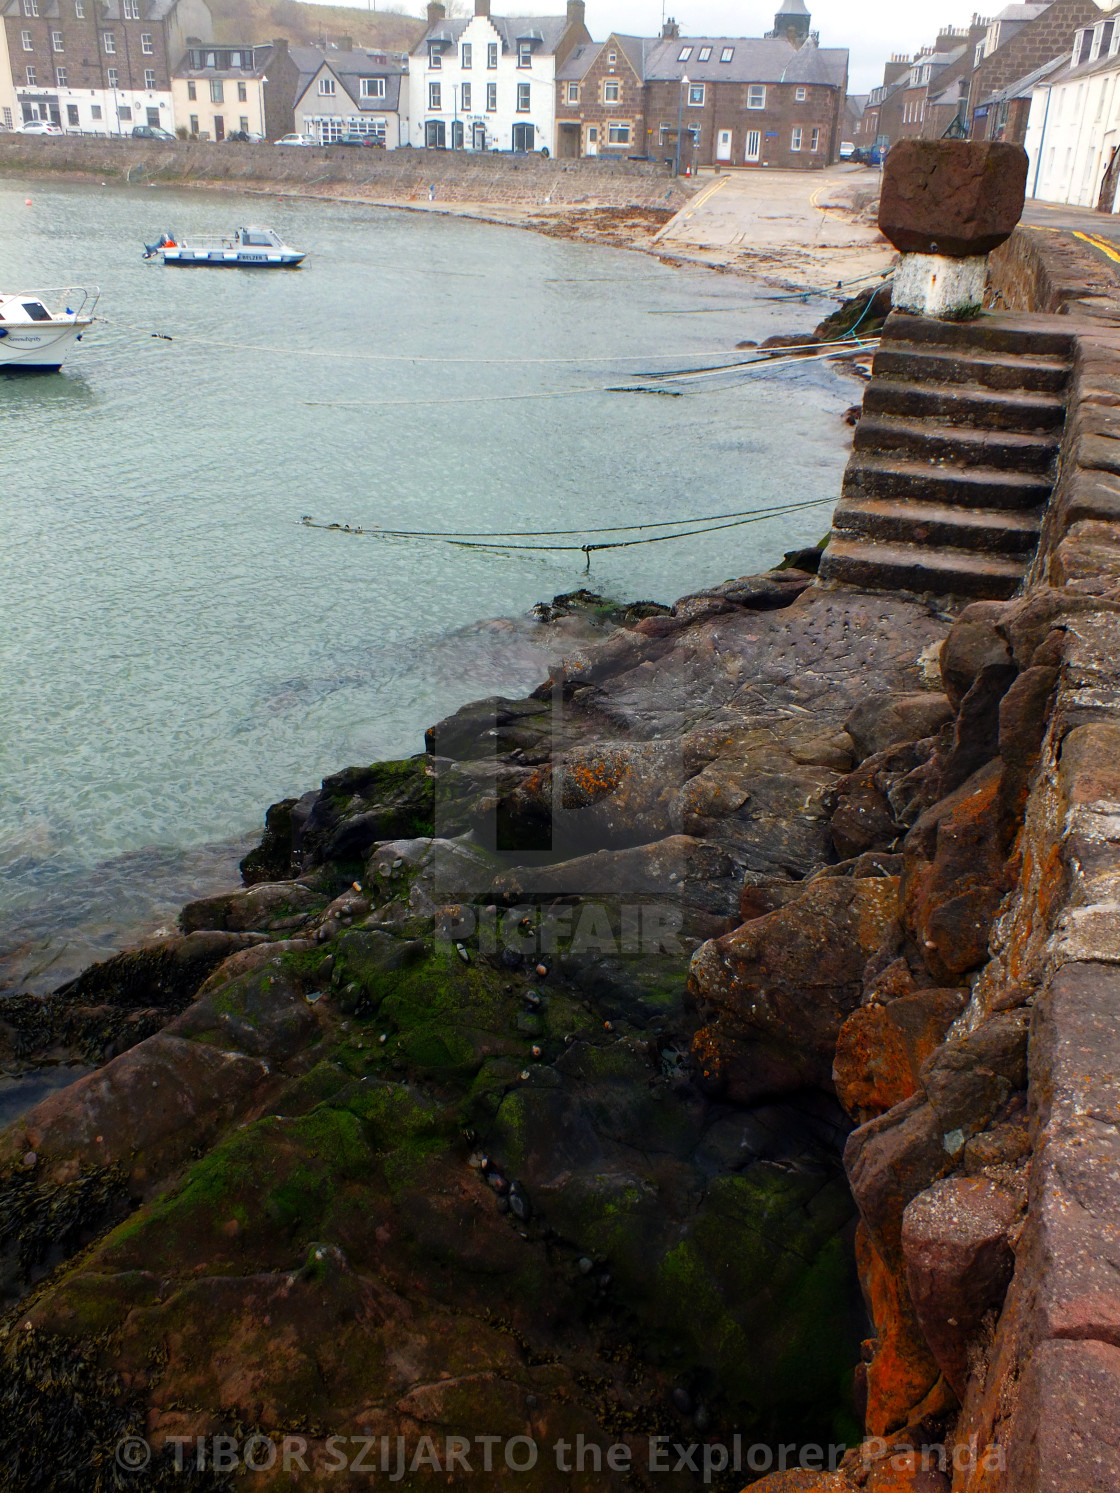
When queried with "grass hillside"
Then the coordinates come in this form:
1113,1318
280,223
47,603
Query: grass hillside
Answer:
308,25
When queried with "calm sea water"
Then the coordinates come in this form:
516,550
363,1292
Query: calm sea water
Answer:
178,651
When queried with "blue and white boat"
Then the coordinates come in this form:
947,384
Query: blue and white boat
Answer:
38,327
249,248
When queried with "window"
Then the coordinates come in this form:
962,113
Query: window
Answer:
795,141
132,10
522,98
218,91
491,97
8,121
573,93
435,134
435,56
756,96
31,7
684,54
617,134
465,98
60,77
703,54
242,94
467,56
80,9
524,54
113,77
95,111
194,124
611,91
146,43
326,89
25,38
72,115
801,94
435,96
31,77
696,95
56,41
109,42
192,91
491,54
149,77
612,58
727,54
815,140
243,124
372,88
124,112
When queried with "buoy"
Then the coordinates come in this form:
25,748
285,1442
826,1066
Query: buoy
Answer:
27,202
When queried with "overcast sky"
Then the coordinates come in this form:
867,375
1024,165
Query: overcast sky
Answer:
870,29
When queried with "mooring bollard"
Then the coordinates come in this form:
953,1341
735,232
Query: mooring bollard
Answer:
945,205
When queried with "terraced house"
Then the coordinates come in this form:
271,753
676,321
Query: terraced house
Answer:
489,82
352,92
600,98
96,66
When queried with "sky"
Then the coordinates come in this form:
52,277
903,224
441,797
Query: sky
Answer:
870,29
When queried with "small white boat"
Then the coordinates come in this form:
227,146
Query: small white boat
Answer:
254,248
38,327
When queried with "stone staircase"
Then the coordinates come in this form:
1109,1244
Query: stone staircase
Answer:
954,456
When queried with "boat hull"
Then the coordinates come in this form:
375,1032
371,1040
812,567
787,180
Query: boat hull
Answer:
38,347
243,259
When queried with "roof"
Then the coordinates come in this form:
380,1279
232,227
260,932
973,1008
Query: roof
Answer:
1021,12
348,67
579,62
548,30
1057,70
768,59
793,8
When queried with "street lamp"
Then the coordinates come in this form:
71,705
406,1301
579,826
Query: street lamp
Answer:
680,120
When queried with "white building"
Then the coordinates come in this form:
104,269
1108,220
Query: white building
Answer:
489,82
1073,133
352,91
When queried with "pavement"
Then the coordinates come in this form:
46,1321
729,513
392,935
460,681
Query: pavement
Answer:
791,228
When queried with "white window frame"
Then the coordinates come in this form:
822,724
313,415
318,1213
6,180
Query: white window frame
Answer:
149,78
696,95
491,98
617,95
327,89
56,41
109,43
796,138
31,7
491,55
435,98
31,83
727,54
800,95
523,93
467,57
114,78
435,57
756,95
26,42
573,93
524,54
465,97
621,128
815,138
79,10
684,54
132,10
704,54
147,46
60,77
371,88
612,58
217,91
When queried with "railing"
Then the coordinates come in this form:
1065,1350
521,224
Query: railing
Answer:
86,298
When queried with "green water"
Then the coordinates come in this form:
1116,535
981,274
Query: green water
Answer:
178,650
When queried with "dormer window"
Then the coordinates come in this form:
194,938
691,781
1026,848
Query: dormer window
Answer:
703,54
684,54
524,54
727,54
435,55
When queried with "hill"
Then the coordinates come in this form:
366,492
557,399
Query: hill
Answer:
312,25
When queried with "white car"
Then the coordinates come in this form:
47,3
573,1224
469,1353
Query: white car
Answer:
847,150
40,127
294,140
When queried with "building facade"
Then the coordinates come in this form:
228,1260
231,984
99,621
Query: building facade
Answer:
600,99
489,82
352,91
218,89
1073,134
97,66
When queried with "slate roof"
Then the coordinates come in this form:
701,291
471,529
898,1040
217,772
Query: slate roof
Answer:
348,67
579,62
767,59
511,30
793,8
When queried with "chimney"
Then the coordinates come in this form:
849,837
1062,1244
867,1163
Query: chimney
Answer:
345,43
670,30
482,7
436,13
576,13
280,45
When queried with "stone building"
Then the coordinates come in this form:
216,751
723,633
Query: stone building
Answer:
96,66
600,98
1073,135
220,88
1016,45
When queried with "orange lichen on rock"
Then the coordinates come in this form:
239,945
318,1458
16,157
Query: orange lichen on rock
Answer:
902,1371
881,1049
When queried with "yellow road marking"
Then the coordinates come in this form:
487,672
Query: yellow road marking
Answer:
1099,243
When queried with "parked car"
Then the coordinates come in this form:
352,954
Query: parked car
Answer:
354,140
40,127
294,140
847,150
150,132
245,137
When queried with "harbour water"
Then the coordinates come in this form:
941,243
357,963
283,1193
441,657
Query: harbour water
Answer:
178,650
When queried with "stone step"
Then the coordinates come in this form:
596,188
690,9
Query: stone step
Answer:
964,446
879,476
922,364
1026,336
993,531
966,404
913,567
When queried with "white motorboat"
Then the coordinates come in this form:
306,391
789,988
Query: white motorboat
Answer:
253,248
38,327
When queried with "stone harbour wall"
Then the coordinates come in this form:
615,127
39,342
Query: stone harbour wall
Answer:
398,175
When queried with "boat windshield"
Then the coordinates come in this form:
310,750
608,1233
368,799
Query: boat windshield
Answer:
261,238
36,310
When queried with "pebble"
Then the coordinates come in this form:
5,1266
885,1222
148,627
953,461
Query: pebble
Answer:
542,970
30,1160
356,885
398,863
519,1204
476,1161
586,1266
461,950
532,998
384,1037
524,1074
536,1052
682,1400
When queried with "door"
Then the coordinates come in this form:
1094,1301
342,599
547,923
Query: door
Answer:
219,127
523,137
435,134
723,145
754,145
478,137
457,135
592,139
153,117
